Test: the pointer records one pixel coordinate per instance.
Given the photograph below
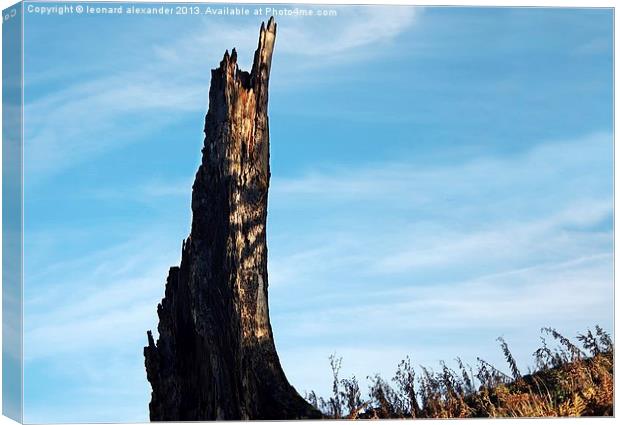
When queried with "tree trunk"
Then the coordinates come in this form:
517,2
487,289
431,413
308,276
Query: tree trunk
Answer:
215,357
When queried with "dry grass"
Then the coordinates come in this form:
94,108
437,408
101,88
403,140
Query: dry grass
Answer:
569,380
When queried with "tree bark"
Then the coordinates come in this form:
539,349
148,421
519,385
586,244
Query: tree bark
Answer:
215,357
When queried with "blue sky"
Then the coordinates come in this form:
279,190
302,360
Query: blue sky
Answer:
441,177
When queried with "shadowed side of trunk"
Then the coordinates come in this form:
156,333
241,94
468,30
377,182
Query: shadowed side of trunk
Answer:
215,357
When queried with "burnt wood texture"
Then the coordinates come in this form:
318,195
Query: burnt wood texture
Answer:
215,357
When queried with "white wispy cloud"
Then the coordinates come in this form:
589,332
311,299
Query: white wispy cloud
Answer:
148,191
537,205
577,290
327,38
504,242
477,177
99,300
439,322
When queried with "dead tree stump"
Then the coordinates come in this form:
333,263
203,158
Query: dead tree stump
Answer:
215,357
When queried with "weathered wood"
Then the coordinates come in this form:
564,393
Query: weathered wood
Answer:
215,357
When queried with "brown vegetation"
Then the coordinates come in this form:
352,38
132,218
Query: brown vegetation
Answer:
567,381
